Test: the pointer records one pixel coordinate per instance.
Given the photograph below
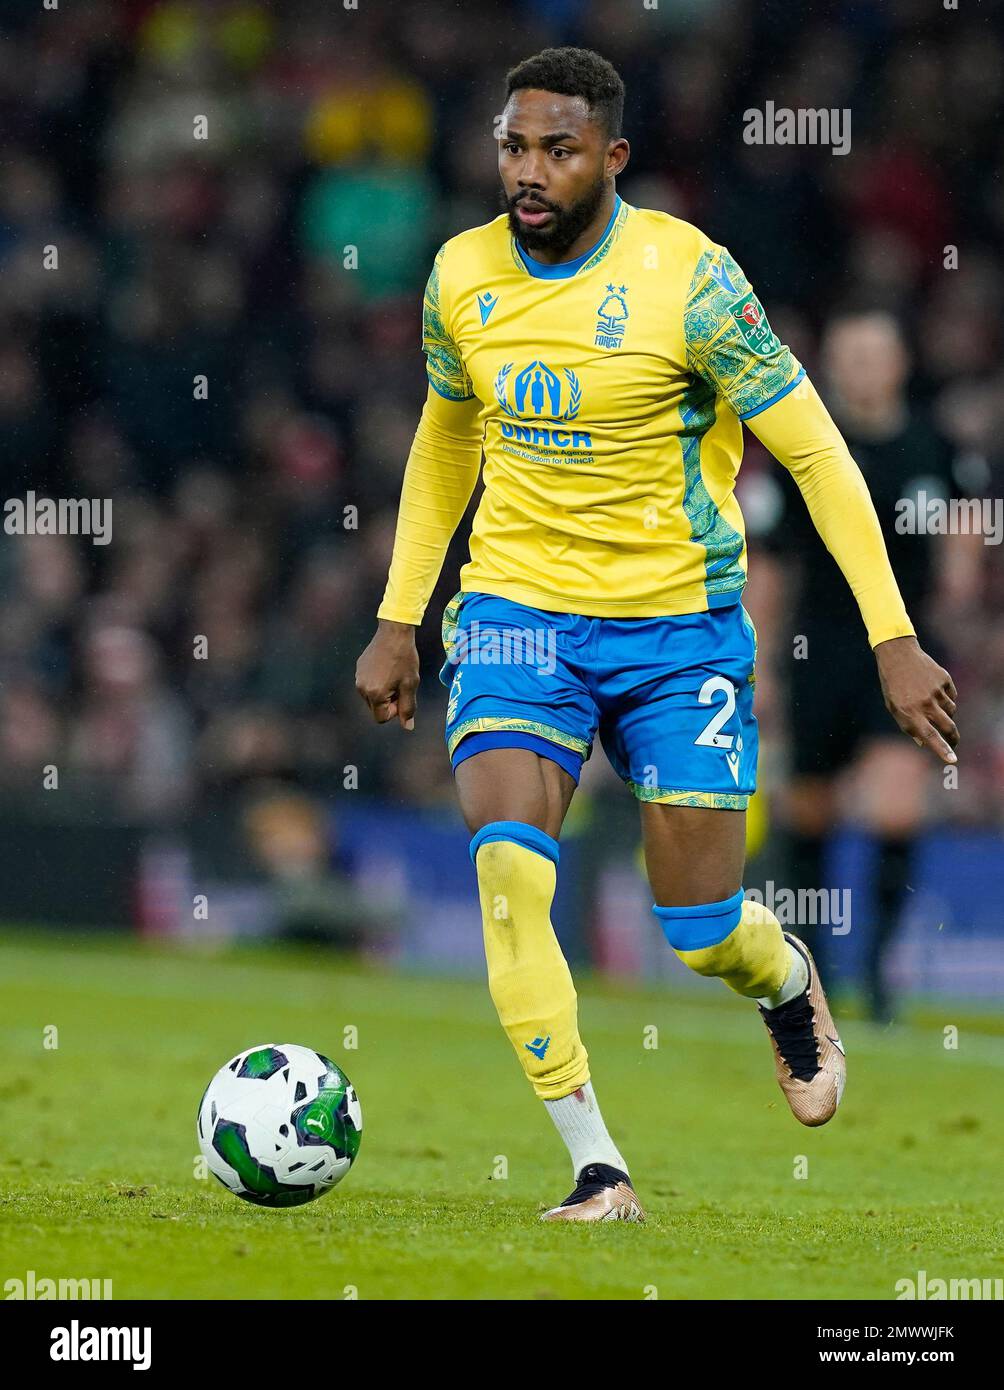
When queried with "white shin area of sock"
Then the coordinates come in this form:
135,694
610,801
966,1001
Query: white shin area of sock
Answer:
797,980
578,1120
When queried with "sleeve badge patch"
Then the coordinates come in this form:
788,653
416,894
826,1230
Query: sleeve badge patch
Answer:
747,312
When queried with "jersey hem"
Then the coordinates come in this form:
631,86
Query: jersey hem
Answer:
589,607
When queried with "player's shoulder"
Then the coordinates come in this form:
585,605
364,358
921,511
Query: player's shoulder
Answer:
687,240
470,252
692,253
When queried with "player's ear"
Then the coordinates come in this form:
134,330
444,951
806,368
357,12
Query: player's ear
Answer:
618,154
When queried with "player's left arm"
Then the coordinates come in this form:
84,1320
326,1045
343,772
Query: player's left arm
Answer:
730,345
799,432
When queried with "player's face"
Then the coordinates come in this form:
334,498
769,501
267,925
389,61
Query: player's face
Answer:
556,165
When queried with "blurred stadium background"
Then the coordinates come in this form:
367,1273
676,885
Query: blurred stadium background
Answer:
261,518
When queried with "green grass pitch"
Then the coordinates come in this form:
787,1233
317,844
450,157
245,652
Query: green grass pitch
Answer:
98,1148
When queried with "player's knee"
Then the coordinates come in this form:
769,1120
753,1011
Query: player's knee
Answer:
499,850
695,932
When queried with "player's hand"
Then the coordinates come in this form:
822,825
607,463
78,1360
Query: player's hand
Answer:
387,674
919,694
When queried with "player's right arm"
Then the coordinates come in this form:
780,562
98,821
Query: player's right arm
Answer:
439,479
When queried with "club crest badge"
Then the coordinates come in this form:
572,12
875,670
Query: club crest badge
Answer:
612,317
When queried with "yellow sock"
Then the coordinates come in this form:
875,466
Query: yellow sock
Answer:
753,959
528,976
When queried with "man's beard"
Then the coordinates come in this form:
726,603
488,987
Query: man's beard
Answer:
566,225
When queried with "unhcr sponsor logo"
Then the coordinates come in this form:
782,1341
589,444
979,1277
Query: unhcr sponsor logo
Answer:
543,438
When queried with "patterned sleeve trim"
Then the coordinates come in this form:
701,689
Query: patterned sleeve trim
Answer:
730,343
444,363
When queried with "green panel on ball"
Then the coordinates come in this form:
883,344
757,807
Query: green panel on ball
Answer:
318,1121
351,1136
263,1063
325,1119
230,1143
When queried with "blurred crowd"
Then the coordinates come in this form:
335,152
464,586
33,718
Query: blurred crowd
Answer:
245,199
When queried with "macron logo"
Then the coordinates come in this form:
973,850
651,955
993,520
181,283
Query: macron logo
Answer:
486,303
718,272
539,1046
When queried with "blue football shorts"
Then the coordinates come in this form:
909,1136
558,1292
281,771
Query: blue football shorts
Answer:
671,697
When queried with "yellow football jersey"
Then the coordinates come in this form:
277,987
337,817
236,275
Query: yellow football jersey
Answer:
612,389
608,394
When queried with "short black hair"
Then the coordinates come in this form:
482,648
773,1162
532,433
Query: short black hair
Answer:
574,72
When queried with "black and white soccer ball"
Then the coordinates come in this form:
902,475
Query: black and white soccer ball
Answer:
280,1125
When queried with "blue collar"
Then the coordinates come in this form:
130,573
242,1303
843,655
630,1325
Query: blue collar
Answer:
563,269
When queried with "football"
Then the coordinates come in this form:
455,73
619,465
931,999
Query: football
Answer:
279,1125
